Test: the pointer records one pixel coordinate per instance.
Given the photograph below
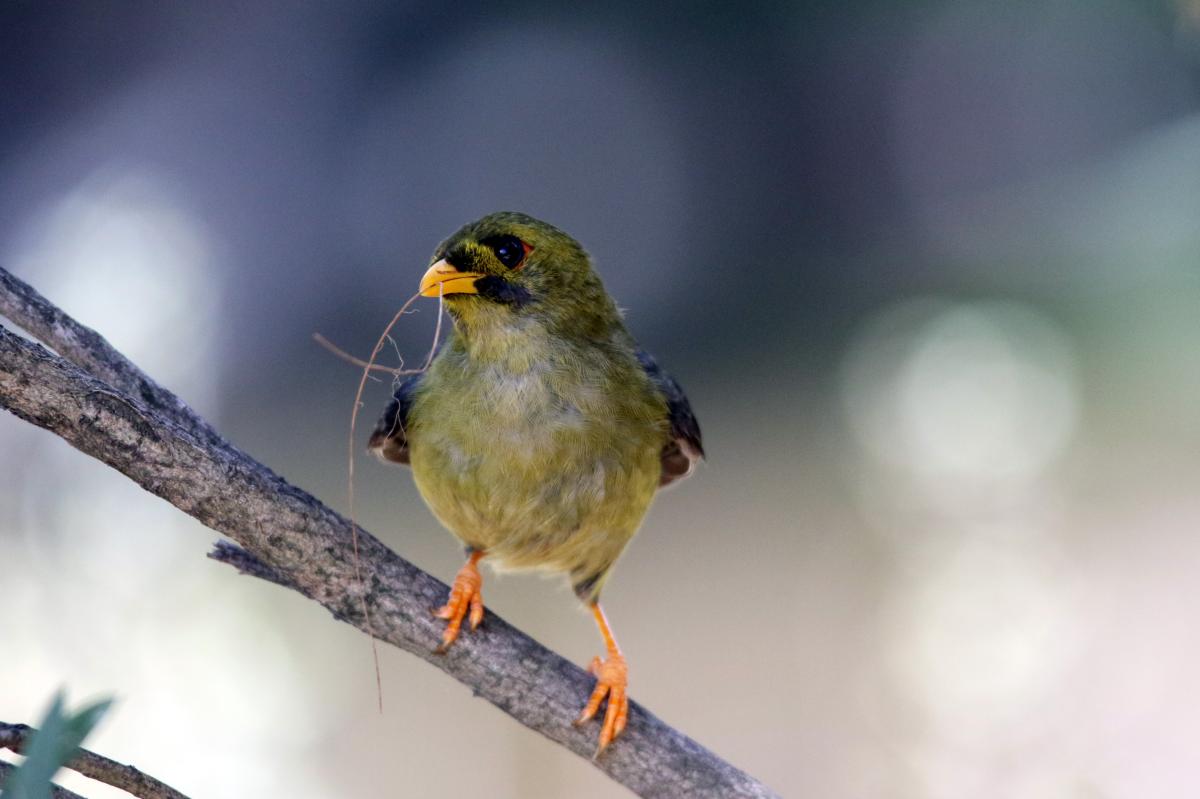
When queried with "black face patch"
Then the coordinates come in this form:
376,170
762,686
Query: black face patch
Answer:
458,259
500,290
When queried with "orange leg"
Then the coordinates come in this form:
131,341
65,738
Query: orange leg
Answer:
465,595
612,680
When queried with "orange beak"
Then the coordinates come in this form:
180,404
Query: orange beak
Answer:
443,278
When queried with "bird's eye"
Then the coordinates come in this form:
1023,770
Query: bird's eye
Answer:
509,250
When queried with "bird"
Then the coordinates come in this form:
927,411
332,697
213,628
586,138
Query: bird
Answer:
540,432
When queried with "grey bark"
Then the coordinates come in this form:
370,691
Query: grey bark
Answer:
103,405
96,767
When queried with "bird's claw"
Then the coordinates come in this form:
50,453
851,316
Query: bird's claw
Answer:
612,680
466,601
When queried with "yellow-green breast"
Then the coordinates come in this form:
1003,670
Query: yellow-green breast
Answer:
542,453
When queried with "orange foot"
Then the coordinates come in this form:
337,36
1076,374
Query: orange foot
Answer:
612,680
466,594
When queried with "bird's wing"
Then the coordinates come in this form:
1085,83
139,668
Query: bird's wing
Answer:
389,441
683,450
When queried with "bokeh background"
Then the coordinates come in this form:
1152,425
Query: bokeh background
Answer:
930,272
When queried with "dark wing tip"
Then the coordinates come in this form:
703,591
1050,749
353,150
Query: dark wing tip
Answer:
389,439
685,448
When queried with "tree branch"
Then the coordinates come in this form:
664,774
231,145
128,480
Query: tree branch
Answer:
96,767
103,405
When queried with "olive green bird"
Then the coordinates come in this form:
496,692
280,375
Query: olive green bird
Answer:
540,432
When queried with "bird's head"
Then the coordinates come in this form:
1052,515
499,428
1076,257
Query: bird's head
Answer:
507,266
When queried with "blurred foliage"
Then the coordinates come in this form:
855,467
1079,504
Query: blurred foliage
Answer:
50,746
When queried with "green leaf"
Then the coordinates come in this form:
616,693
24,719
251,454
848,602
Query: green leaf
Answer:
50,746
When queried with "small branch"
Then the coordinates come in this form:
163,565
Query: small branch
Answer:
96,767
247,563
56,791
100,403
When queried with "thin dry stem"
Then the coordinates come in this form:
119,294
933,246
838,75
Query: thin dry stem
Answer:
437,330
362,383
398,371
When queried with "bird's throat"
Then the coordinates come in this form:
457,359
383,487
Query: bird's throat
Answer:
496,338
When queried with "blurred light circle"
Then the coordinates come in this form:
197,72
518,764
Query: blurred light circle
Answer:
121,254
980,634
978,394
